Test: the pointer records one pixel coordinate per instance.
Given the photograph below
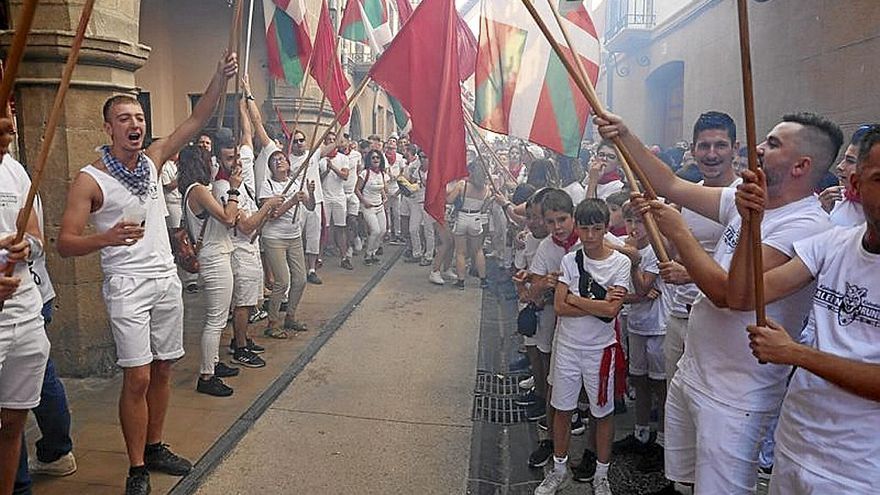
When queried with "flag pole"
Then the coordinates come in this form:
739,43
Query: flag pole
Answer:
751,144
16,52
302,93
250,25
51,126
351,99
485,167
305,167
234,35
629,165
469,120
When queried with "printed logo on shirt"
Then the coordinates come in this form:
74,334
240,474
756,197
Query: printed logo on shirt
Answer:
8,200
730,238
153,190
850,306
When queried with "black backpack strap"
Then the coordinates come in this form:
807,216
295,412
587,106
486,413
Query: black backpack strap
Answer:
587,286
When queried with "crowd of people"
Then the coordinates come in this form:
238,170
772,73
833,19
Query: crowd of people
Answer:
606,293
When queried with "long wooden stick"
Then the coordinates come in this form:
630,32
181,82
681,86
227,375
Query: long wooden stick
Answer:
51,126
16,52
302,93
305,169
469,120
351,99
752,145
628,164
485,168
231,46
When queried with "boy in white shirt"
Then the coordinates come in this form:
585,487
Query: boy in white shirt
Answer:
827,440
589,295
335,173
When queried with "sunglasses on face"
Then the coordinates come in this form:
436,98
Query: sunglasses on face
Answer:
299,140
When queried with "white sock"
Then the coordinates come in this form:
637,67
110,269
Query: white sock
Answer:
642,433
312,270
661,439
601,470
559,463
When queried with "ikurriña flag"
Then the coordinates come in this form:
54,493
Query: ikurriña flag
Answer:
367,22
522,88
287,39
326,68
420,68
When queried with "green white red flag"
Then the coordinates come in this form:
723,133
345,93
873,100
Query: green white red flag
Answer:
366,21
287,39
522,88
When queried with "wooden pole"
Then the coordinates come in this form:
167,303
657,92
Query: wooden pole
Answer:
232,45
629,165
485,168
16,52
302,93
351,99
469,121
752,145
51,126
305,165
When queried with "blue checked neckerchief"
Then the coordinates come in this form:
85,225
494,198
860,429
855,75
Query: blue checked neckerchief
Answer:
137,181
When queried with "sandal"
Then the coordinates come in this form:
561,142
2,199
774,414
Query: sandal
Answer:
295,326
276,333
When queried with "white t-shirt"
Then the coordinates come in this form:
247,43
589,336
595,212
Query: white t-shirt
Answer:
312,174
649,317
282,227
25,303
589,333
374,184
169,175
248,174
605,190
717,359
216,238
245,203
576,191
150,257
847,213
393,170
357,161
353,170
261,163
522,258
822,427
333,185
547,259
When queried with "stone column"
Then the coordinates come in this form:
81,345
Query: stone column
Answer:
80,335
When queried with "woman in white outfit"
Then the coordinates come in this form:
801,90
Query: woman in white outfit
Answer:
470,196
370,190
209,222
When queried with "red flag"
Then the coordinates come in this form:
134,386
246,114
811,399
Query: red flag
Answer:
404,10
326,68
420,68
467,50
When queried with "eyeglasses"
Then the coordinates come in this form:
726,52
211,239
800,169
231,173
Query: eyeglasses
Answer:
606,156
299,141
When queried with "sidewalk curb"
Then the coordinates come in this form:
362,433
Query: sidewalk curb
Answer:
214,456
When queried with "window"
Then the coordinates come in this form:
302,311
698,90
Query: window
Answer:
228,112
144,99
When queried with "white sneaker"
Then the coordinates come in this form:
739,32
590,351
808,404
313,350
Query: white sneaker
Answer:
601,486
358,244
450,274
436,278
553,481
64,466
528,383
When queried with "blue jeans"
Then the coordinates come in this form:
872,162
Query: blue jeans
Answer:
53,418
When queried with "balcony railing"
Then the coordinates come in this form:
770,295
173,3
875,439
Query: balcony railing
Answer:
629,14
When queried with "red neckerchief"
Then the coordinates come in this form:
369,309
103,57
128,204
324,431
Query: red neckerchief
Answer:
609,177
568,243
852,195
618,231
332,154
515,171
391,157
222,174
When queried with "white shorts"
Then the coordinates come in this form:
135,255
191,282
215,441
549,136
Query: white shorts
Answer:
710,444
646,356
468,224
146,318
546,329
575,368
790,477
334,213
353,205
312,229
247,277
24,350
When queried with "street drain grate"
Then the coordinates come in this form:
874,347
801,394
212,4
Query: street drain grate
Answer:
494,397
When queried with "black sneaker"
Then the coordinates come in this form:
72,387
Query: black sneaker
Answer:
223,371
527,399
213,386
541,456
247,358
251,346
484,284
584,472
379,251
577,425
537,411
284,306
369,260
139,484
313,278
346,264
629,444
460,284
160,458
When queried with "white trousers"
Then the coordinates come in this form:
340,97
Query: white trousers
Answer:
215,276
418,217
376,223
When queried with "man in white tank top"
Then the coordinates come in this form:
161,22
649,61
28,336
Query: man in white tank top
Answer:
119,194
